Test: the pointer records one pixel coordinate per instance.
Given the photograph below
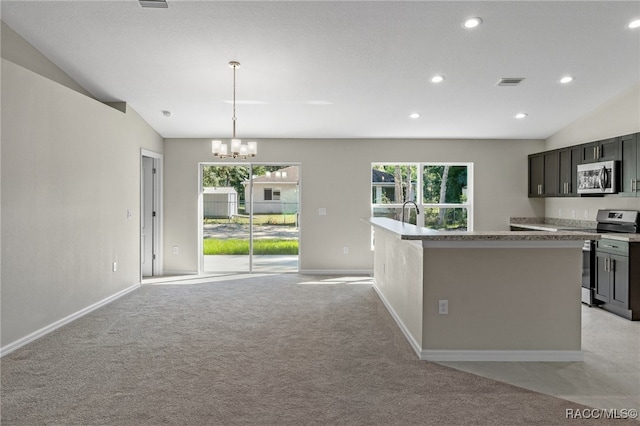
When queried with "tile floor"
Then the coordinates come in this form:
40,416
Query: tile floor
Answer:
609,377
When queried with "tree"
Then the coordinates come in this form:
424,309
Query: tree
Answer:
443,194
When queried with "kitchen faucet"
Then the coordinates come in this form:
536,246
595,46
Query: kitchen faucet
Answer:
407,202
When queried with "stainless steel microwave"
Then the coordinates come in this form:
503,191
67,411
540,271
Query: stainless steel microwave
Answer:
597,178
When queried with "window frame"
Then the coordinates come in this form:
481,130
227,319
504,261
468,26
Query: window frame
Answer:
468,205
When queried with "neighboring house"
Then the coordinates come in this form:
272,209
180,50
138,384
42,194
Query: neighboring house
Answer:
219,202
383,186
275,192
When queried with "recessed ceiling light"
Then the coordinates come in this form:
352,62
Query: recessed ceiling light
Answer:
437,79
472,22
166,113
521,115
414,115
566,79
634,24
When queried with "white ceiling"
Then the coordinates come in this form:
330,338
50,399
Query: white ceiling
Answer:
338,69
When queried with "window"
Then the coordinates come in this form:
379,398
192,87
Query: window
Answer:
271,194
442,191
445,196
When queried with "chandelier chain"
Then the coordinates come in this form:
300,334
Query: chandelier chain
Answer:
235,66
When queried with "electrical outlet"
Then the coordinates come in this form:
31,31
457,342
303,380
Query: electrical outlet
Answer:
322,211
345,250
443,307
573,213
175,250
586,214
114,266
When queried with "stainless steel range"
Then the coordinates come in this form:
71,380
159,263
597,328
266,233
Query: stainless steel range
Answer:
608,222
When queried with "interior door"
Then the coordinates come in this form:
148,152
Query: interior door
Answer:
147,217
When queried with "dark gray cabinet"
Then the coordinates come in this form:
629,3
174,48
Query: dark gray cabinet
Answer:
543,174
604,150
630,165
568,160
536,175
554,173
617,277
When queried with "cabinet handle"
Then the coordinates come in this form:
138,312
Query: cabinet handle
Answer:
598,151
595,155
606,264
612,265
607,245
634,185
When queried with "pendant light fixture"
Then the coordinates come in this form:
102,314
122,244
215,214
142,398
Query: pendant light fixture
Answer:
238,149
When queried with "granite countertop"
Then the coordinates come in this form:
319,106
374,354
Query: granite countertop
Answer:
537,224
406,231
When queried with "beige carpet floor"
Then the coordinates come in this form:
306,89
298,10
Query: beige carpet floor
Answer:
275,350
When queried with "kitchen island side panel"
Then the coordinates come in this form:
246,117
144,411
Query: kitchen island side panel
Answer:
398,280
514,299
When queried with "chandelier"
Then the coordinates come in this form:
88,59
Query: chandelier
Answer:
238,149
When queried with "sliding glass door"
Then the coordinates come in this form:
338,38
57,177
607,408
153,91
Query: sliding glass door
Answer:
226,228
250,218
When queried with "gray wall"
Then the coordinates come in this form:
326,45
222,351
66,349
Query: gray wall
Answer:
70,170
19,51
336,175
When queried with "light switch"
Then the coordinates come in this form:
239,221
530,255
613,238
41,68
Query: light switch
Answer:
322,211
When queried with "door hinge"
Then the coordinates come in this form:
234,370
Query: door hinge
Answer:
154,170
154,214
154,257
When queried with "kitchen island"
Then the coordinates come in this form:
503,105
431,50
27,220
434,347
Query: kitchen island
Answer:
508,296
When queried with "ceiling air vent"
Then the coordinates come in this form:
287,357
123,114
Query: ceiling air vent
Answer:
153,3
509,82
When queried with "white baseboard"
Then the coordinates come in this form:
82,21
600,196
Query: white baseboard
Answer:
412,341
66,320
527,356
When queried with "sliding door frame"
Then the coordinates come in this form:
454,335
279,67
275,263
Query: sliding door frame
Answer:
248,199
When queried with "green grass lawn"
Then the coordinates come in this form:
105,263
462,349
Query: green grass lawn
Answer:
237,246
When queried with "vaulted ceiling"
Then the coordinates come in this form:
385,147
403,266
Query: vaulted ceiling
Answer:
342,69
